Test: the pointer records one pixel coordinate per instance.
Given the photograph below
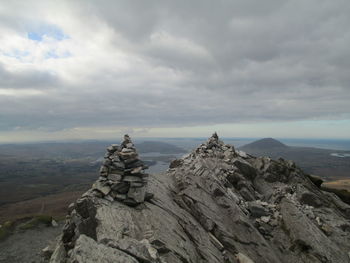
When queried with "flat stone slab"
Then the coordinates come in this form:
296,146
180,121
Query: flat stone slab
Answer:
99,186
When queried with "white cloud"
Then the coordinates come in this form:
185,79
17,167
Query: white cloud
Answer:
171,63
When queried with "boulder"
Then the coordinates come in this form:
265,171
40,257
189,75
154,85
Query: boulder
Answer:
245,168
315,180
175,163
246,194
114,177
311,199
256,210
101,187
121,187
235,178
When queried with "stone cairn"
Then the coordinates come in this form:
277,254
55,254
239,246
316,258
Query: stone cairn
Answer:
122,175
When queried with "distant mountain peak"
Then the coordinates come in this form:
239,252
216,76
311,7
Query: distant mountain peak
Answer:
265,143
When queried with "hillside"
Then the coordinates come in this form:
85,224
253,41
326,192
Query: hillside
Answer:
266,143
50,175
316,161
215,205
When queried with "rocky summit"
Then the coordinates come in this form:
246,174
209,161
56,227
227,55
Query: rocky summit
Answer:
216,204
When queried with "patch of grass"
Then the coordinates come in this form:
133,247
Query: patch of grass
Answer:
338,184
6,230
343,194
3,233
60,218
35,221
54,205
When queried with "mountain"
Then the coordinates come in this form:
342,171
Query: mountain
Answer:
214,205
266,143
321,162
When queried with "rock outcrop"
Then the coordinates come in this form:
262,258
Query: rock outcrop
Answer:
213,205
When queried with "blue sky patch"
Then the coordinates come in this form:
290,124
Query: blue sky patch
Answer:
38,33
53,54
16,53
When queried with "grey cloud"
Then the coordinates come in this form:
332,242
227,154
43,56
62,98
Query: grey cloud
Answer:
262,61
27,79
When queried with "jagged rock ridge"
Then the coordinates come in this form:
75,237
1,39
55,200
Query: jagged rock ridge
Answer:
213,205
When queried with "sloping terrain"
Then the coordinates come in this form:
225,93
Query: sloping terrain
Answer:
214,205
54,205
313,160
43,177
26,246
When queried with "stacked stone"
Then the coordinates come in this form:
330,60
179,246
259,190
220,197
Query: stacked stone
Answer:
122,175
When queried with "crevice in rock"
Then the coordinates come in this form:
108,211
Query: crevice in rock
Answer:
191,238
165,209
138,259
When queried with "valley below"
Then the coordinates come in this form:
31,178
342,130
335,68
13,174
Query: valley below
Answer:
46,178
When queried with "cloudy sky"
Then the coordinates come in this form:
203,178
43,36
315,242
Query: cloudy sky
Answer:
97,69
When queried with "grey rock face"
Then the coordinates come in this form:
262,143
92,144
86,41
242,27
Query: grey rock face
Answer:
310,199
88,251
256,210
214,205
245,168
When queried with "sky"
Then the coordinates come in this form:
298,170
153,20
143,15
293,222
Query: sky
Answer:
99,69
